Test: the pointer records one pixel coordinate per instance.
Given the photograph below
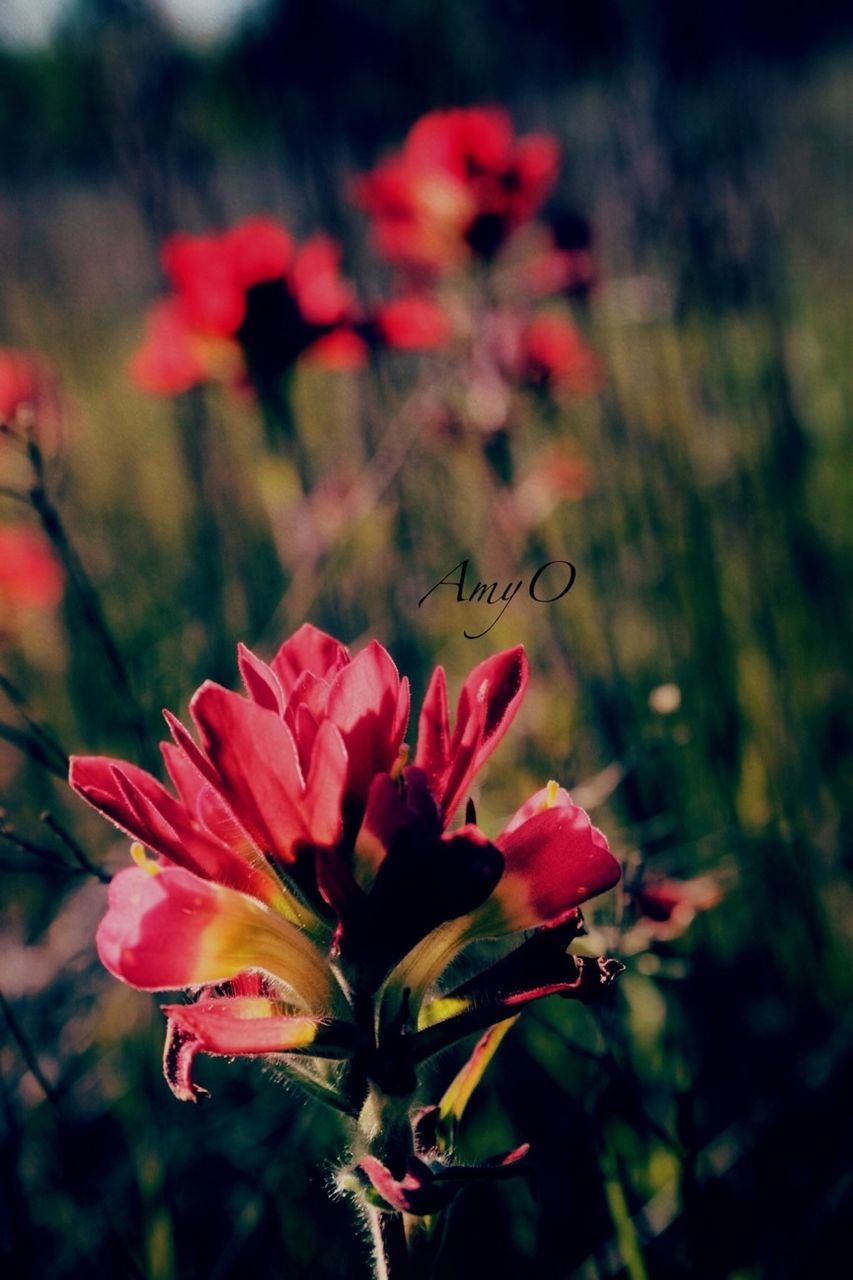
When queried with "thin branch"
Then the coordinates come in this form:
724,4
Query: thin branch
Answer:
40,868
15,494
53,1098
30,746
27,1052
53,527
77,851
27,846
44,736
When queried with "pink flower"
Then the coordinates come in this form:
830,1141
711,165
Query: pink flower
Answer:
28,394
554,354
30,576
665,908
299,859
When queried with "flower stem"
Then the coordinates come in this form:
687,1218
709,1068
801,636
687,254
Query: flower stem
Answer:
90,602
390,1250
385,1123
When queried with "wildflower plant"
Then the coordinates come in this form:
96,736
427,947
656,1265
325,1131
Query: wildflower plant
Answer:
307,887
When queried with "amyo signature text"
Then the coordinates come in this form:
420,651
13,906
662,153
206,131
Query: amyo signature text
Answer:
551,581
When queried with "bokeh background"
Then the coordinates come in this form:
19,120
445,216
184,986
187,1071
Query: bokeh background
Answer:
691,688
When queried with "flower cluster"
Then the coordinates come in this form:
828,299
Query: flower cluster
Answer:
247,304
458,212
460,185
484,272
310,885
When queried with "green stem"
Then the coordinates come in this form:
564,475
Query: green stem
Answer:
90,603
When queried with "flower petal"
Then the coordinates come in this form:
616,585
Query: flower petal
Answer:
256,767
179,1053
258,248
260,680
555,860
369,704
434,730
208,287
143,809
309,649
489,699
324,790
168,361
171,929
233,1025
413,324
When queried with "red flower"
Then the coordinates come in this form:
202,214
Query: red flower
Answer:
28,393
20,383
665,908
30,576
461,183
248,298
554,354
299,860
412,324
249,303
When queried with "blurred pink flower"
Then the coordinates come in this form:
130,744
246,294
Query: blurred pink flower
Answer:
665,907
28,393
30,576
554,354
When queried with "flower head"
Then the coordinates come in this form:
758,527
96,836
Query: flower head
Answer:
247,304
30,576
302,867
29,396
460,184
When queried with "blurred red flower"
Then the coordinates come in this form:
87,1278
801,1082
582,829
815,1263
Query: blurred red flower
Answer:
28,391
250,302
665,907
460,184
554,354
30,576
301,861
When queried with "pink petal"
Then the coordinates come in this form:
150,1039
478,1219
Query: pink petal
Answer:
433,750
259,249
324,791
555,860
342,350
184,742
243,1025
256,766
413,324
144,810
171,929
499,682
209,289
168,361
186,778
544,798
324,297
179,1053
309,649
260,680
489,699
369,704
